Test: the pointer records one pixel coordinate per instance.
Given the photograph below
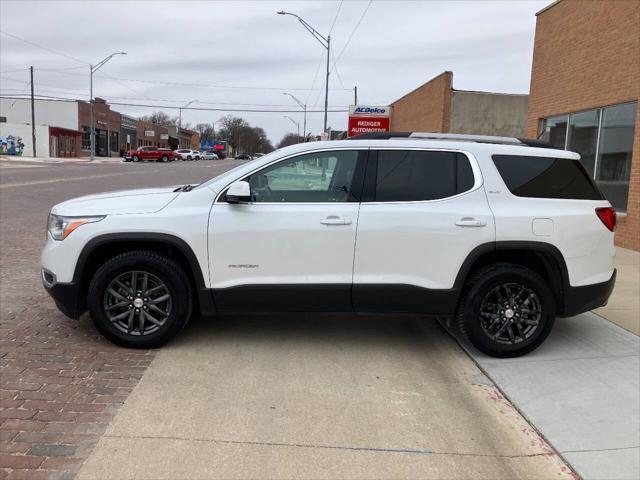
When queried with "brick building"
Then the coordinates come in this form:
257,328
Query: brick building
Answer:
585,85
437,107
152,134
106,128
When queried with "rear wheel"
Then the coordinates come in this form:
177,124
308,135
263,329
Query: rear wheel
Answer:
506,310
165,159
140,299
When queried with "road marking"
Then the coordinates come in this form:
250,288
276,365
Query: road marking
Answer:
55,180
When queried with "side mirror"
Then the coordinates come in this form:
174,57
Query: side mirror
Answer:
239,192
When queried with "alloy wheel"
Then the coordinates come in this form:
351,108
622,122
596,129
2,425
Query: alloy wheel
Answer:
137,303
510,313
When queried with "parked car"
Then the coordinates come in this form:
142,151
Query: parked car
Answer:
496,235
150,154
209,155
188,154
242,156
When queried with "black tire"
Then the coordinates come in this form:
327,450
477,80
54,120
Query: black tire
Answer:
135,158
165,159
473,321
168,272
189,158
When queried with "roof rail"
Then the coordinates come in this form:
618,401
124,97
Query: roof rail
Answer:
461,137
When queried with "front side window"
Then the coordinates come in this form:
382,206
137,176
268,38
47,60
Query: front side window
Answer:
614,153
312,177
414,175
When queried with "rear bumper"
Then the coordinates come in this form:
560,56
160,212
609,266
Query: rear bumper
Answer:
582,299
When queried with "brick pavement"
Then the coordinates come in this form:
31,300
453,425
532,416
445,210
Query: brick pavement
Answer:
60,382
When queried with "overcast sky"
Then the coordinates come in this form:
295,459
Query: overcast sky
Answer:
213,51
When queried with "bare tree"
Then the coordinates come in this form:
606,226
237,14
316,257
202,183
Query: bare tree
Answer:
160,118
289,139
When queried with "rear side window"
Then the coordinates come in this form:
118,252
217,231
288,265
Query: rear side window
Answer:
414,175
546,177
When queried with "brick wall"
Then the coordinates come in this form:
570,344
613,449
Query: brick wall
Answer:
587,55
425,109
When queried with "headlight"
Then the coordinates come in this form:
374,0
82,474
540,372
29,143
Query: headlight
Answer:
60,227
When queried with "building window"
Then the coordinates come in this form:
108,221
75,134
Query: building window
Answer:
86,138
613,165
604,140
582,136
113,147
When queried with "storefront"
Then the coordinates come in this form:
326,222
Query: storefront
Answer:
584,97
64,142
106,126
128,133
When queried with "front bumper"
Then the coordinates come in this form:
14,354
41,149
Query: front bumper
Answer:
66,295
582,299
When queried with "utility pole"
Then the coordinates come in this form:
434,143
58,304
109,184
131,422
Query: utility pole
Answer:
33,115
304,109
326,43
180,121
326,85
355,95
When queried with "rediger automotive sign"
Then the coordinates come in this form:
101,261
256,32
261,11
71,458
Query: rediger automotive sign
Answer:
366,118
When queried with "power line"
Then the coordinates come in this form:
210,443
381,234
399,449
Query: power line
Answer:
14,71
352,34
201,85
43,48
336,17
174,107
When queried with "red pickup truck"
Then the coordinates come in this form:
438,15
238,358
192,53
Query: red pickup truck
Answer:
150,154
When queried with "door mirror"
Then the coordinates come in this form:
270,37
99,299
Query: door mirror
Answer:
239,192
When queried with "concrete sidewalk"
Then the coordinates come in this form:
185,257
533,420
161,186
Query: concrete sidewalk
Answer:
624,305
581,390
329,397
11,158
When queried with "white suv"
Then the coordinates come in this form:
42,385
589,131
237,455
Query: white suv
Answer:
188,154
498,234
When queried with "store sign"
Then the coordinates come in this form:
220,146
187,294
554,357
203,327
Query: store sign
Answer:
149,133
367,118
164,136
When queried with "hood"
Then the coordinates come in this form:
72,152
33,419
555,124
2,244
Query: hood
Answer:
148,200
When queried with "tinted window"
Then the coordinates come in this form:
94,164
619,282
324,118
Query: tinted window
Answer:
413,175
312,177
546,177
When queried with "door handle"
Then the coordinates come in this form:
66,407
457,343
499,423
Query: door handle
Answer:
335,220
470,222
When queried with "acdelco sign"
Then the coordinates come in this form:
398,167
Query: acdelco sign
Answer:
366,118
361,110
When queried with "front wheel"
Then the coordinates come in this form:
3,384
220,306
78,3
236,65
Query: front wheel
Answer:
140,299
135,158
165,159
506,310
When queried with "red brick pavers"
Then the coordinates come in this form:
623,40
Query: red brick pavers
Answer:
61,384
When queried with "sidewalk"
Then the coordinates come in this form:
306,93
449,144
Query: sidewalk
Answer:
623,308
87,160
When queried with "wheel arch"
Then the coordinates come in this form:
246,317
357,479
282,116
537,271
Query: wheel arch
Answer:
541,257
100,249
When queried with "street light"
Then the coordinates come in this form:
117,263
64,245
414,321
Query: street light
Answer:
304,107
92,70
180,122
326,43
297,124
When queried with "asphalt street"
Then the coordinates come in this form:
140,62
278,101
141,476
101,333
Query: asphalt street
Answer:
234,397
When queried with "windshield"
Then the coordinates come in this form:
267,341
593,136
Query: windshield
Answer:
247,166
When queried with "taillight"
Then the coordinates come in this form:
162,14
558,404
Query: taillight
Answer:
608,216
